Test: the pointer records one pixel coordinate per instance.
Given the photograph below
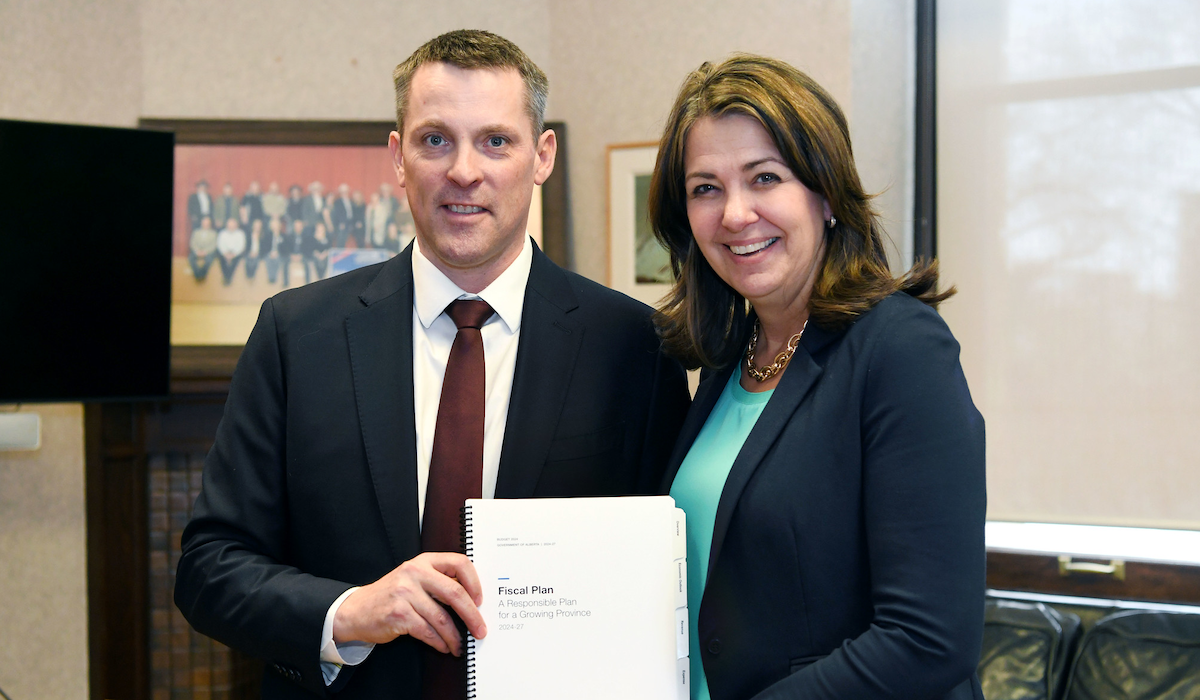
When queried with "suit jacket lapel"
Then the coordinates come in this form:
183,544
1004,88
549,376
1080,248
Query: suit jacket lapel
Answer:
380,340
802,372
702,404
546,355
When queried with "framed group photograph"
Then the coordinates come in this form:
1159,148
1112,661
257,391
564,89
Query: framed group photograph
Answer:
638,264
260,207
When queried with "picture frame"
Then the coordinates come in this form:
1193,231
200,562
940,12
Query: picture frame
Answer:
638,265
212,306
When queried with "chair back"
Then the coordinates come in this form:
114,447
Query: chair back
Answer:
1027,648
1139,655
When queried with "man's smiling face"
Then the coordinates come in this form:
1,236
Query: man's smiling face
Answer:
468,161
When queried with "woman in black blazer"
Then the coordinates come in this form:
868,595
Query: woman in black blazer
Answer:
832,464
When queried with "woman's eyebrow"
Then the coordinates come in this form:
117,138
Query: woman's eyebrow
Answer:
755,164
748,166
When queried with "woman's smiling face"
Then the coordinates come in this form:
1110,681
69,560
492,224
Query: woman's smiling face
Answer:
759,227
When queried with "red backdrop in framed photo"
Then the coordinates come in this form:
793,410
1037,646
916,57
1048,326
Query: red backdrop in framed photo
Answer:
220,278
363,168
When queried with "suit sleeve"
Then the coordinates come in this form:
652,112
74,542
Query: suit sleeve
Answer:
233,582
924,508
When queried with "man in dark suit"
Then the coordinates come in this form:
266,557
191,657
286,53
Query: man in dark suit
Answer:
358,219
291,248
341,216
294,208
252,206
199,205
305,546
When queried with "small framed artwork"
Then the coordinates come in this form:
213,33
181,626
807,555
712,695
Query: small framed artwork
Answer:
638,264
264,206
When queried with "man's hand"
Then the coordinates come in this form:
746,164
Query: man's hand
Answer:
406,601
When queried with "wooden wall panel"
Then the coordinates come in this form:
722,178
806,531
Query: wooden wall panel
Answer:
144,467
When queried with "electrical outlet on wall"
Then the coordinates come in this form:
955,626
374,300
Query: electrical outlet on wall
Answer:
20,431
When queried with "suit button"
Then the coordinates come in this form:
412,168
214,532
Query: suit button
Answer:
714,646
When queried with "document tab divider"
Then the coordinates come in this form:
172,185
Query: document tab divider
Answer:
680,585
681,633
683,681
679,541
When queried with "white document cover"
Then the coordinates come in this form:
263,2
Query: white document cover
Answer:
581,597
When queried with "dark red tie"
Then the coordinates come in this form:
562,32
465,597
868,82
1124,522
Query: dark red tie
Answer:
455,473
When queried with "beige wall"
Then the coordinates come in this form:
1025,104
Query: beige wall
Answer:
882,121
614,67
43,563
280,59
70,61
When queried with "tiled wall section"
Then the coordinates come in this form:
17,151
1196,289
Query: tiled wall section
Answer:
183,663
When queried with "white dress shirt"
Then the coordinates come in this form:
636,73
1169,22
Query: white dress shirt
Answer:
432,335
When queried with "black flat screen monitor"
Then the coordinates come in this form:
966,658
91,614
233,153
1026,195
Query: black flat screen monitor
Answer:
85,288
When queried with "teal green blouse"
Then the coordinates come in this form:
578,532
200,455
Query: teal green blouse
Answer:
697,490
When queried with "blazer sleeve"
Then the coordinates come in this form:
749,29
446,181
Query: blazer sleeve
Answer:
924,507
233,581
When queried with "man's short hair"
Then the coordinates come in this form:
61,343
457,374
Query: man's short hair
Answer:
475,49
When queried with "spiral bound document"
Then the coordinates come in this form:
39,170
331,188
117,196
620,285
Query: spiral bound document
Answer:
584,598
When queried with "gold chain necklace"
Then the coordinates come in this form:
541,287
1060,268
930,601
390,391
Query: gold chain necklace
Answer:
781,360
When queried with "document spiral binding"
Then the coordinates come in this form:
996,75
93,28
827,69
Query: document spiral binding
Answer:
468,542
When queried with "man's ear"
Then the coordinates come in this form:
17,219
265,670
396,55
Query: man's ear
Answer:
397,156
547,149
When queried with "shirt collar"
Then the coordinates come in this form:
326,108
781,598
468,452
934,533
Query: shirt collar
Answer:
433,291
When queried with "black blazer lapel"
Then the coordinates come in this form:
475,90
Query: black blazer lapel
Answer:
380,340
802,372
702,404
546,356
